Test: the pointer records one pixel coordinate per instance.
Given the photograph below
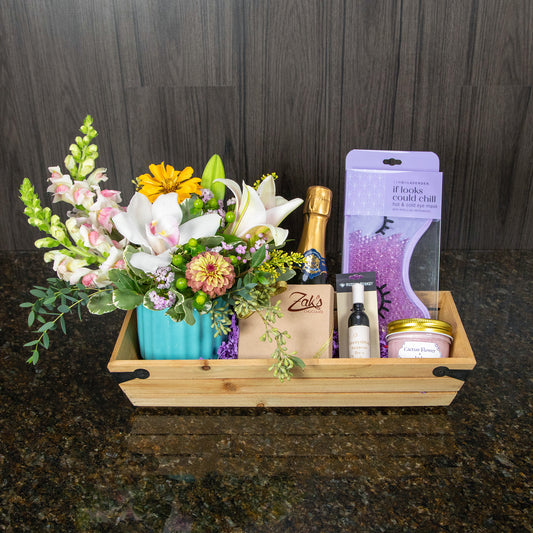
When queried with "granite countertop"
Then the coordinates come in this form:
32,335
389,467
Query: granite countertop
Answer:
75,455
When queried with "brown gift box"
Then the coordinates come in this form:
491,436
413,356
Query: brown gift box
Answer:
307,317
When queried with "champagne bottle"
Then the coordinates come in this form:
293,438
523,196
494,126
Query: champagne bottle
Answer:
317,207
358,325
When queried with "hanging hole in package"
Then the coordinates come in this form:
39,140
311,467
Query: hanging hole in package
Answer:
392,219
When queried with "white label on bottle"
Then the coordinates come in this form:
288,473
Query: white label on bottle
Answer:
419,350
359,342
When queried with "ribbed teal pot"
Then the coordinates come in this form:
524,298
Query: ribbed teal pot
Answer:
162,338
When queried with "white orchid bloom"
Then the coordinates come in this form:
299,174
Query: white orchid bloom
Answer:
260,211
157,229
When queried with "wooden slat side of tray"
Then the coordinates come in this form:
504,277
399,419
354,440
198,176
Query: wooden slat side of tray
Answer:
461,345
269,385
155,397
315,370
127,344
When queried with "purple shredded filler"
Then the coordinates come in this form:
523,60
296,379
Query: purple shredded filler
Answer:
384,255
335,344
229,348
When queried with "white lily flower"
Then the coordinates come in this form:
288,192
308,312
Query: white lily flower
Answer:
157,229
260,211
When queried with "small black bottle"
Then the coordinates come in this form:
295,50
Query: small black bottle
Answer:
358,325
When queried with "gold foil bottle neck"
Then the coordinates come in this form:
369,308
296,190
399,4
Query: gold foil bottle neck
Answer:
318,201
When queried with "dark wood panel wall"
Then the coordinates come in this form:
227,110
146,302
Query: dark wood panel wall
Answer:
277,85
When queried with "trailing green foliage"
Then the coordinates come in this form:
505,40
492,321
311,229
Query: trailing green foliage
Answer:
48,310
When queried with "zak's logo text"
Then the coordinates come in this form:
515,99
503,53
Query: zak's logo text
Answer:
305,302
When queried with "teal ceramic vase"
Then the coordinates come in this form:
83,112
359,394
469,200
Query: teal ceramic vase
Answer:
162,338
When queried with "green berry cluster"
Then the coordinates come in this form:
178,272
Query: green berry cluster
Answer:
179,261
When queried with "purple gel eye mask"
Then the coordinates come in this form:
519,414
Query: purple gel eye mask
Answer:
386,214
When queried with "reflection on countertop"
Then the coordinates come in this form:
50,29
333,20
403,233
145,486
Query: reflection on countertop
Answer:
76,456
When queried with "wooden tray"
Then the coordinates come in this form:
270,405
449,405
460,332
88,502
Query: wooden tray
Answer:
323,382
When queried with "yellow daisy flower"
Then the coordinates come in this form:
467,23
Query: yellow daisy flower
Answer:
165,180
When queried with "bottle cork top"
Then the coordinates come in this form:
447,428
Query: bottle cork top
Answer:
358,293
318,200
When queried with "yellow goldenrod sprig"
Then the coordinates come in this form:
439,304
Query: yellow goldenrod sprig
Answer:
280,262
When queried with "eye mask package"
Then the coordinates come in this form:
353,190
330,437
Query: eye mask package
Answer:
392,215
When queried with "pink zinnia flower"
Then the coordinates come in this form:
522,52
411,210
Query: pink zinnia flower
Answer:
211,273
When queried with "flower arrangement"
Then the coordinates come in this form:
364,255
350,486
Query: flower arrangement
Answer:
178,246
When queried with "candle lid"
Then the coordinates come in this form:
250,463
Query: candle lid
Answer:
419,324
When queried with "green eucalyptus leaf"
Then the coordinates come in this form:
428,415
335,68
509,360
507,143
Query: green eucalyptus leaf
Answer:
63,308
46,326
261,278
287,275
214,170
258,257
297,361
45,341
49,301
38,293
32,343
